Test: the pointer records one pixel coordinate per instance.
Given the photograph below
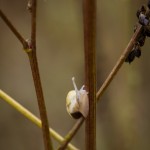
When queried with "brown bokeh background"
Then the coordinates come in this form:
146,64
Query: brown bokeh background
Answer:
123,114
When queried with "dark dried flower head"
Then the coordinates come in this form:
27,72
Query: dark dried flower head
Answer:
143,20
137,52
142,10
148,4
141,39
147,31
130,57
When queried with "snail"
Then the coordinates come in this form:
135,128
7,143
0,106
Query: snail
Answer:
77,102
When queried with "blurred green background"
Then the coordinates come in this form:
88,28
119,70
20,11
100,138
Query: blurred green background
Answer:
123,114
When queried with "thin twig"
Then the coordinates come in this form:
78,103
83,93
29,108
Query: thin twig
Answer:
40,99
32,117
37,81
108,80
71,134
14,30
119,62
89,22
33,24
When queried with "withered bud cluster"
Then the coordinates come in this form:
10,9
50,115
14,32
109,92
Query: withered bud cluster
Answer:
143,15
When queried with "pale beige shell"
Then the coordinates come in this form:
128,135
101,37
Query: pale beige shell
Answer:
77,102
71,103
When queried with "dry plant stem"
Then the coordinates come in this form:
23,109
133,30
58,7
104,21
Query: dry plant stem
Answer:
40,99
32,117
37,81
71,134
14,30
119,62
108,80
89,22
33,24
35,70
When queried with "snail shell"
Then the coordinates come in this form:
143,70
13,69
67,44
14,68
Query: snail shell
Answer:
77,102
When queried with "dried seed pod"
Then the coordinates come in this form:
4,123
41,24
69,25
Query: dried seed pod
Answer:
143,20
142,10
147,32
141,39
77,102
130,57
148,4
137,51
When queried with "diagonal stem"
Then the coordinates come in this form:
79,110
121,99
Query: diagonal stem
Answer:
32,117
71,134
119,62
14,30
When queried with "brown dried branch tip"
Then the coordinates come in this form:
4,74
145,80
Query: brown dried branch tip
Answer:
143,15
